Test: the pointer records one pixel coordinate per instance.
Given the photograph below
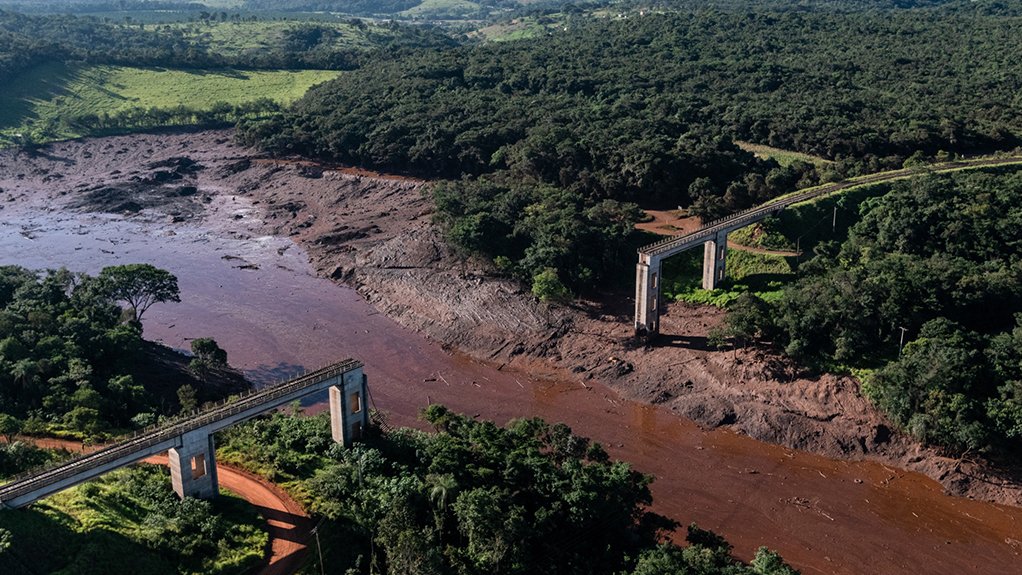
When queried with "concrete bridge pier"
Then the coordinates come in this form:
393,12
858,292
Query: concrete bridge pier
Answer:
349,413
648,274
189,441
193,466
714,258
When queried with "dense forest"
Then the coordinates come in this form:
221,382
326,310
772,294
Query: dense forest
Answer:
645,109
936,261
352,7
472,498
71,359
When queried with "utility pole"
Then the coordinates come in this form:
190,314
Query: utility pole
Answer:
833,223
901,344
315,531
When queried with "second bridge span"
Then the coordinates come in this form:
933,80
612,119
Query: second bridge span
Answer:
188,440
713,237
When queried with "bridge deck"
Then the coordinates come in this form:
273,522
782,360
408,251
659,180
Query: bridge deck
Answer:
159,439
676,244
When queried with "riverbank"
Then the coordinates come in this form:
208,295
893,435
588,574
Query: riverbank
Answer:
375,233
252,291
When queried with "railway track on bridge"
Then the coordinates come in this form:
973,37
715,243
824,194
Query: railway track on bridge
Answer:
758,212
142,441
713,235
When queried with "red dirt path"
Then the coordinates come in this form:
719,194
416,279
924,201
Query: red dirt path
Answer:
287,522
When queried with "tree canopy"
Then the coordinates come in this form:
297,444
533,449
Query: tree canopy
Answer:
69,363
549,144
937,258
140,285
473,498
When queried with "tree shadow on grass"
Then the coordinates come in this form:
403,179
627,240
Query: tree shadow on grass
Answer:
41,83
43,540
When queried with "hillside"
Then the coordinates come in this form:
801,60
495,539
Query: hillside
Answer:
66,76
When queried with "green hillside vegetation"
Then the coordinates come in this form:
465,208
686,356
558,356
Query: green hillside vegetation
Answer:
237,39
764,275
782,157
938,258
442,9
130,522
72,361
472,498
66,76
550,142
55,101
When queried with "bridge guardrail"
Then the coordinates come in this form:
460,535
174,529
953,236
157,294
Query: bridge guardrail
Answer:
32,480
778,204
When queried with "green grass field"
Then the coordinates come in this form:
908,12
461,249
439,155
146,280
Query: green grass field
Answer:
231,39
523,28
762,274
441,9
36,101
783,157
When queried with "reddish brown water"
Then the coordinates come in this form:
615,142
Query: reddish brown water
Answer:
824,516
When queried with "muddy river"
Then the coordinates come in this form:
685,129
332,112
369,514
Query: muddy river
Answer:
258,298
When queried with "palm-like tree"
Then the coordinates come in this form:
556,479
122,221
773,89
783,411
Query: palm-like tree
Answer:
442,488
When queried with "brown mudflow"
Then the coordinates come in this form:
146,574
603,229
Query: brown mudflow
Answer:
256,296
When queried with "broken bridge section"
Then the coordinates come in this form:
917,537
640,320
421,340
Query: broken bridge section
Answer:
188,440
713,238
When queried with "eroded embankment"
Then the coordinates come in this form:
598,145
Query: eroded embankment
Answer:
376,234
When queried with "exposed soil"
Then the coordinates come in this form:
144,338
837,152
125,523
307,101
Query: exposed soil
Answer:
165,370
375,234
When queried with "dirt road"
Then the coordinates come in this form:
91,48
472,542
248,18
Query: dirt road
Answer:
286,521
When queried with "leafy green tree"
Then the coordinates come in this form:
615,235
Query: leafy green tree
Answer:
140,285
748,318
207,350
471,498
187,397
9,426
548,287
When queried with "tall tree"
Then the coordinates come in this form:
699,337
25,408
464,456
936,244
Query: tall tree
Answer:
140,286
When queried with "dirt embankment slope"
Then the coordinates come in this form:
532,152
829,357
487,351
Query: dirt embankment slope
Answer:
376,234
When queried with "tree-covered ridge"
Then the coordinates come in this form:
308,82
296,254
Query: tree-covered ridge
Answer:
939,258
474,499
69,361
834,85
645,109
27,40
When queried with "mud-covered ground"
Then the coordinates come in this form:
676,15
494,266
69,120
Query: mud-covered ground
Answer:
376,234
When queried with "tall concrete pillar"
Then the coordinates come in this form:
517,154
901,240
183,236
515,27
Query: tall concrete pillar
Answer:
349,409
714,258
193,466
647,295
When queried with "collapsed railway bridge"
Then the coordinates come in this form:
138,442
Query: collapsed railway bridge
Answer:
713,237
188,439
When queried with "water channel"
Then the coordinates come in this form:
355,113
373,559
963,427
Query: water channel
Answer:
259,299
